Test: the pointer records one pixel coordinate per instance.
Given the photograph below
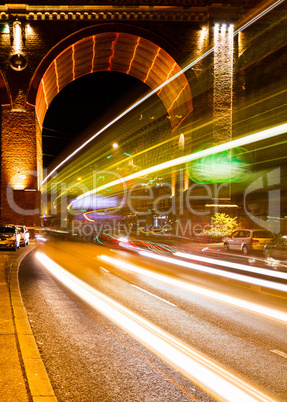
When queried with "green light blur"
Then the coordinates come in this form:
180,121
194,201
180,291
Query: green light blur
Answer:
146,140
226,166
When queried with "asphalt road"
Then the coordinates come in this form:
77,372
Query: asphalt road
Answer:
88,358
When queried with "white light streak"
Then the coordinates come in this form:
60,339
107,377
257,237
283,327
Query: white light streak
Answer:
222,205
242,267
268,9
278,352
255,308
195,366
214,271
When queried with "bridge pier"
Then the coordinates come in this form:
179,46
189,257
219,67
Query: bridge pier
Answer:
20,165
44,48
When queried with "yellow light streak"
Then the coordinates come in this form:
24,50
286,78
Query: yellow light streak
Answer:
134,55
125,160
190,65
176,99
168,76
83,164
45,95
250,139
97,211
209,375
88,219
113,51
57,76
74,62
152,65
94,53
254,308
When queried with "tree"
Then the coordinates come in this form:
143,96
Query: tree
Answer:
223,225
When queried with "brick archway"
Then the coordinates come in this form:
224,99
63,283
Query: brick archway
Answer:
114,51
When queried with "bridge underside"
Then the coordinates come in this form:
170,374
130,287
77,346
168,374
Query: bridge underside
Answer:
121,52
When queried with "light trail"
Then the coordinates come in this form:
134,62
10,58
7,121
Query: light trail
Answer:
214,271
83,164
198,368
190,65
241,267
255,308
278,352
249,139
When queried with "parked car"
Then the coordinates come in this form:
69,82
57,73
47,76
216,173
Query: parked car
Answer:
277,249
9,237
24,235
248,239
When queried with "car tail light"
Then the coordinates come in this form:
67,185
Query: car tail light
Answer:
254,241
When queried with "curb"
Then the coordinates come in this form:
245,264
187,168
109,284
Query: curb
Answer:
36,374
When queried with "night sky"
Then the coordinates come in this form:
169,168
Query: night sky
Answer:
83,107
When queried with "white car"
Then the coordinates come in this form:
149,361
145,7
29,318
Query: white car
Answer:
248,239
9,237
24,235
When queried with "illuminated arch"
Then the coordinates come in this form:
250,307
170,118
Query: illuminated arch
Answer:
113,51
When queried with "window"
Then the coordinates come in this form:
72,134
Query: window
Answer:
244,233
263,234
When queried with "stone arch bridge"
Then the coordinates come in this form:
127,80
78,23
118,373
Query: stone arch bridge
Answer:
47,44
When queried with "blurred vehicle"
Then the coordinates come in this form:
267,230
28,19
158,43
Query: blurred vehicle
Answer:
108,240
40,237
9,237
141,245
34,231
133,245
248,239
24,235
277,249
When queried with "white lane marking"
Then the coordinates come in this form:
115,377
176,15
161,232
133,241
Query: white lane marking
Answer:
212,377
229,264
214,271
266,311
104,269
278,352
151,294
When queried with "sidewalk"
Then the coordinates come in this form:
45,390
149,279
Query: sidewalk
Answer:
23,375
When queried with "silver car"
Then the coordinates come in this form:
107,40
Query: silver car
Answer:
248,239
